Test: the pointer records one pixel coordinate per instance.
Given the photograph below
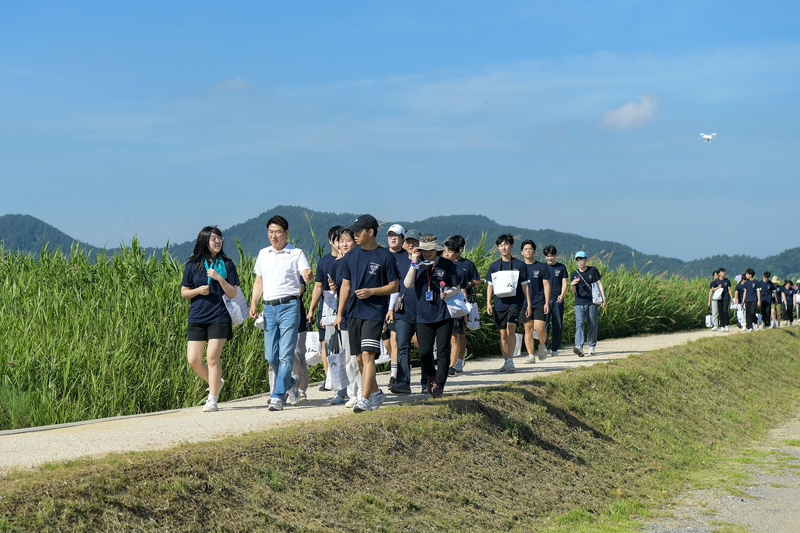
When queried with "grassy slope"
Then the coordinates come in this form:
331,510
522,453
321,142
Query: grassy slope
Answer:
578,451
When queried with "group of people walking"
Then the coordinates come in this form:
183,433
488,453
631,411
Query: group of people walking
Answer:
365,295
768,302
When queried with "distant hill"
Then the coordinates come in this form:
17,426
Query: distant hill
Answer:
26,234
252,235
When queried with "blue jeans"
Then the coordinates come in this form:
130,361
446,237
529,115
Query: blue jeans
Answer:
556,314
404,331
590,314
280,339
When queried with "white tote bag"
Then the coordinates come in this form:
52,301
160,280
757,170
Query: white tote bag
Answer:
474,317
457,306
313,355
597,296
505,282
717,294
238,307
330,307
708,321
337,364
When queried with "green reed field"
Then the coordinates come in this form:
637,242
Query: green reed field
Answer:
83,339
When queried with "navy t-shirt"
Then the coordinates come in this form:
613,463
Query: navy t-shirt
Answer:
209,308
725,284
789,293
751,287
324,269
537,272
409,313
767,292
583,290
557,273
368,269
740,292
501,304
337,279
469,272
430,278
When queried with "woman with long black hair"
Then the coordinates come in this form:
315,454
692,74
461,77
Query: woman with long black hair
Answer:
209,274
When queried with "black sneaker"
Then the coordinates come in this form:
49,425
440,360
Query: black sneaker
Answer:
451,371
323,388
401,388
392,382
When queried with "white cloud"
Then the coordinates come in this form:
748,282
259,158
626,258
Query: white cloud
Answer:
631,114
236,84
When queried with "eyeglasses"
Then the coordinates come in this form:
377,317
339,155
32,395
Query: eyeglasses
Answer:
215,238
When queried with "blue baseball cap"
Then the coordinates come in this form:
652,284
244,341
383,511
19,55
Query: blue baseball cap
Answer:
580,254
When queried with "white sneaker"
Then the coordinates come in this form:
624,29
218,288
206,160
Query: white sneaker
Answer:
592,350
351,402
376,399
293,396
725,328
362,405
275,404
542,352
528,360
715,328
554,353
221,384
210,406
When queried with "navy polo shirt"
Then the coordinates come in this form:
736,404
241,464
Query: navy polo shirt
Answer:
208,308
583,290
501,304
557,274
537,272
430,278
409,313
725,284
368,269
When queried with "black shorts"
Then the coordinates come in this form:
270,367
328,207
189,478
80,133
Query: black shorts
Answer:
365,335
215,330
458,326
536,314
503,318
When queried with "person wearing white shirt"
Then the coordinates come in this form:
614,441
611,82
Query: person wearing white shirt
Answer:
278,271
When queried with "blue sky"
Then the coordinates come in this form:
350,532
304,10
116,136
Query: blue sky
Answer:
157,118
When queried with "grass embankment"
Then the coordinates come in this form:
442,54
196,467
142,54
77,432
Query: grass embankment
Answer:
83,339
584,450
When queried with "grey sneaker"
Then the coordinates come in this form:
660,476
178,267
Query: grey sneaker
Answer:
508,366
362,405
376,399
340,400
275,404
210,406
578,350
530,359
293,396
554,353
542,352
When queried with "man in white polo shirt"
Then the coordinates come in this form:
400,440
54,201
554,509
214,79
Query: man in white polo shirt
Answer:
278,271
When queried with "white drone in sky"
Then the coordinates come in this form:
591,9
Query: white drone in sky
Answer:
707,137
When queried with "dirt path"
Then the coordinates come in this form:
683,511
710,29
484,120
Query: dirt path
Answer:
30,448
769,501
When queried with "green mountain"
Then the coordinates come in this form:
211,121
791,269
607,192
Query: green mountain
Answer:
25,233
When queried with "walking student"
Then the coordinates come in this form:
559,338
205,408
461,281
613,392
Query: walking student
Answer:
470,279
585,307
507,310
323,274
405,318
433,279
395,236
788,297
208,275
713,303
752,299
767,297
369,277
554,320
777,302
721,287
279,269
538,275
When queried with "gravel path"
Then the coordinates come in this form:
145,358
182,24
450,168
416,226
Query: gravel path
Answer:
768,503
30,448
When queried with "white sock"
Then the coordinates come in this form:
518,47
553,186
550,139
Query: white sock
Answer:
394,369
212,398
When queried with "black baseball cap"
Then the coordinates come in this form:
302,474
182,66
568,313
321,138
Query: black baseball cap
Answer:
364,222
